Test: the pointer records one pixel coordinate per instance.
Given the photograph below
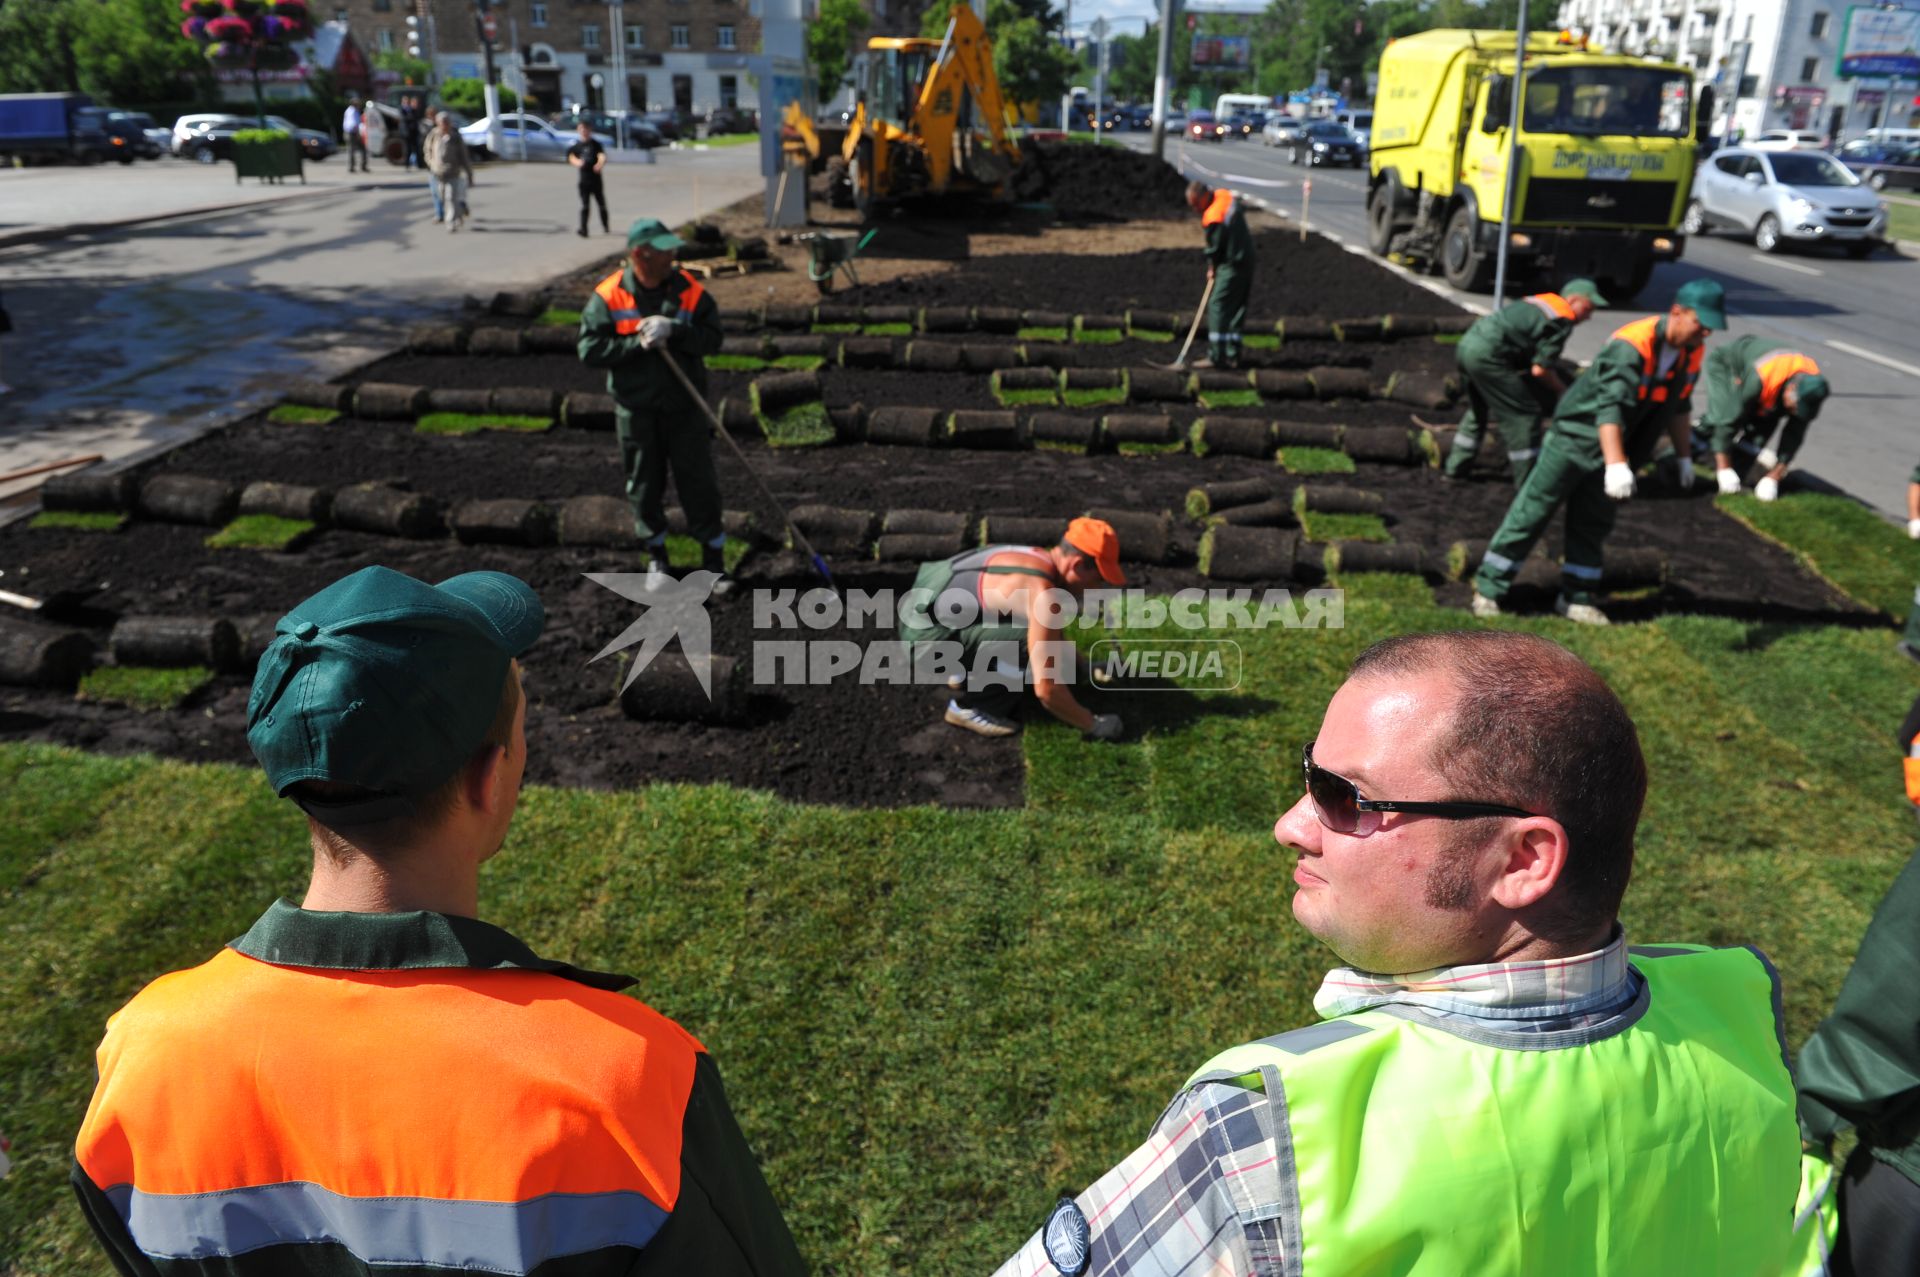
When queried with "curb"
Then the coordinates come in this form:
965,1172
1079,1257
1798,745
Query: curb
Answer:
43,234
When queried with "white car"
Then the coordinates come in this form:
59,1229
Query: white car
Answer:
1281,129
1784,140
541,140
1360,124
1781,197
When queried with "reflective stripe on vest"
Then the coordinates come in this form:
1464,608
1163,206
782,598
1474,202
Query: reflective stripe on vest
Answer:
1644,336
625,308
1776,370
1220,209
1403,1146
476,1119
1553,304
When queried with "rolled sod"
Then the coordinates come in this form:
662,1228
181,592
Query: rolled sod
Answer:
1004,320
910,427
1307,434
476,402
867,352
1209,379
774,393
584,410
1334,498
383,401
1052,354
1302,328
35,655
932,356
888,314
496,341
372,507
503,521
750,346
1140,428
1064,430
438,339
800,344
287,501
596,521
318,394
551,339
946,319
837,313
255,631
737,418
172,641
521,304
1144,538
849,422
984,430
1046,319
916,547
1274,513
1093,379
1272,383
1233,437
90,490
1340,383
668,691
1211,498
934,523
1463,558
1453,324
1014,529
1632,568
526,401
1157,321
1390,444
780,316
1421,390
1370,329
975,357
1025,379
833,530
188,498
1367,556
1409,325
1230,553
1156,385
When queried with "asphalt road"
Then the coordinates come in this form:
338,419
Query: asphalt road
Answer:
1859,319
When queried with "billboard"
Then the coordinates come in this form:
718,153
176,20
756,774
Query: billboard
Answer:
1227,52
1880,42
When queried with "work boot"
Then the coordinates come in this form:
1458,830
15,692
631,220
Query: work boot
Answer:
1203,363
979,721
1483,607
1580,613
714,559
657,559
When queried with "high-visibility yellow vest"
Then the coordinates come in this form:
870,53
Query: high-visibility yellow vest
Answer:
1410,1145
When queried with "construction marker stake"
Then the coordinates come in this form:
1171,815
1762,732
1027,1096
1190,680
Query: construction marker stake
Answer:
1306,196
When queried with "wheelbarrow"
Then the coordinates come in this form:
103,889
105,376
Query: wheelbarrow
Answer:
828,253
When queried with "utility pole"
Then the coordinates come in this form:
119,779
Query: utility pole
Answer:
1513,160
488,31
1099,33
617,103
1162,70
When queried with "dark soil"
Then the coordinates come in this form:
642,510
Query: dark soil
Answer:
1099,183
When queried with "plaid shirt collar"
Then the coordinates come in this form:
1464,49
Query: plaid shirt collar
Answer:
1546,990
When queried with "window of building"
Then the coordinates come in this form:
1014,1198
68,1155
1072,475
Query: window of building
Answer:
726,37
680,40
383,6
729,91
589,35
539,18
1808,69
637,36
1819,31
386,40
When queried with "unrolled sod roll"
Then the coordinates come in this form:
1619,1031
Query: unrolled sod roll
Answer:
1232,437
1065,430
1212,498
189,498
35,655
1340,383
371,507
1421,389
909,427
867,352
1156,385
287,501
976,357
439,339
996,319
833,530
946,319
503,521
384,401
496,341
318,394
774,393
551,339
584,410
932,356
1015,529
668,690
1390,444
1366,556
984,430
1230,553
938,523
1144,538
1633,567
596,521
173,641
916,547
1140,427
478,402
1026,379
1307,434
1274,513
1273,383
90,490
526,401
1333,498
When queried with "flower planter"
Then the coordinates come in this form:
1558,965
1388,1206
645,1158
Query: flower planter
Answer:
269,159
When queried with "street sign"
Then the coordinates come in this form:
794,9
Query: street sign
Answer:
1099,29
490,27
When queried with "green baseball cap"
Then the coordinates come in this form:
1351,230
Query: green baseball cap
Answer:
1809,392
1706,299
1585,288
650,232
387,684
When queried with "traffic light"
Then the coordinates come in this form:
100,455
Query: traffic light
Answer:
413,36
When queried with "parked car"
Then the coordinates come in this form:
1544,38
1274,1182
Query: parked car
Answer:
135,136
1883,166
1324,142
542,141
1784,140
209,138
1360,124
1202,127
640,135
1782,197
731,119
1245,124
54,126
1281,129
672,124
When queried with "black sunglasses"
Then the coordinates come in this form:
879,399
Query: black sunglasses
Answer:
1339,806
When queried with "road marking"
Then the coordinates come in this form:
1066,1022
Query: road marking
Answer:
1882,360
1793,266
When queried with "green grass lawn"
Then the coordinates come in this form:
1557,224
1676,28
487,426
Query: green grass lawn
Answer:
1229,399
261,532
735,363
801,426
142,687
559,316
1098,336
1093,397
887,330
1261,341
79,520
685,553
1026,398
1903,219
294,414
1042,334
1842,540
1316,526
466,423
1315,461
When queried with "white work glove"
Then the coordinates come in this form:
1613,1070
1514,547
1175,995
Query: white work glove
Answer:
1105,727
1729,481
1913,529
1619,480
1686,474
654,330
1768,489
1768,458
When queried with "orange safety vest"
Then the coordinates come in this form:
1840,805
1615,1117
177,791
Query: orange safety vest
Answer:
1556,306
1776,370
1220,209
1644,336
1911,765
625,308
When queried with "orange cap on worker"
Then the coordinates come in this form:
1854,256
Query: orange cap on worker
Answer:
1097,538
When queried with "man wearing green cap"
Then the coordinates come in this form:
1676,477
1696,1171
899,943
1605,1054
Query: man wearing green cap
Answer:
640,317
1637,390
1508,361
374,1079
1752,383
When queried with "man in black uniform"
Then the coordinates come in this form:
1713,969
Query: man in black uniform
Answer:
589,157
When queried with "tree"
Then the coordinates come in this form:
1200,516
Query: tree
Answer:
469,97
37,47
131,51
830,40
250,35
1031,65
410,69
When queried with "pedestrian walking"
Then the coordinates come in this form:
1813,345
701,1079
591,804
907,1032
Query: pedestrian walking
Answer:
448,160
375,1080
410,132
589,158
355,139
1229,271
432,126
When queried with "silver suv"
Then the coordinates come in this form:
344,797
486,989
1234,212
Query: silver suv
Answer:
1782,197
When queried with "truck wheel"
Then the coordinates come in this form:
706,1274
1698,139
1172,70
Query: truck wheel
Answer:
839,185
1622,289
1695,221
1461,260
1766,236
1380,219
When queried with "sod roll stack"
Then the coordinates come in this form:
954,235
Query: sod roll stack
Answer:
835,531
596,521
372,507
187,498
174,641
1144,538
1229,552
670,690
90,491
287,501
35,655
503,521
1064,431
1232,437
1214,498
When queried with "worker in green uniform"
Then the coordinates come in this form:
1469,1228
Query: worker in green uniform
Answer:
1507,359
1752,384
1637,390
1910,640
639,317
1229,271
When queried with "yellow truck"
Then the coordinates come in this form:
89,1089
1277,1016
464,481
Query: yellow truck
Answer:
1606,159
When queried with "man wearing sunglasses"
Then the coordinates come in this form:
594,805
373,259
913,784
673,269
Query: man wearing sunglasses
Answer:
1499,1085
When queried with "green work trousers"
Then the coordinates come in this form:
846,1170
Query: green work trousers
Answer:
1512,400
1567,474
1227,315
651,442
1912,634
